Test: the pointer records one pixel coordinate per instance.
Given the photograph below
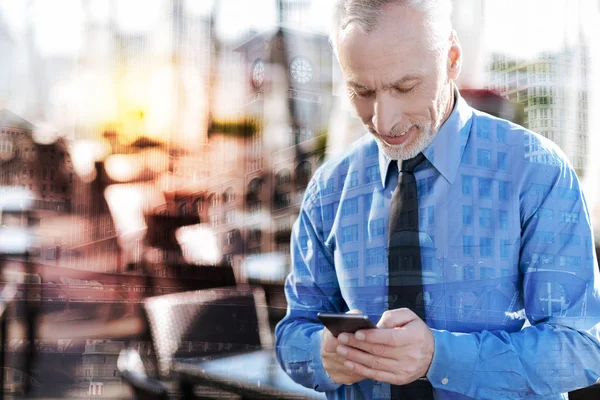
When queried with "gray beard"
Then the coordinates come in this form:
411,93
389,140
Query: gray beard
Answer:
425,135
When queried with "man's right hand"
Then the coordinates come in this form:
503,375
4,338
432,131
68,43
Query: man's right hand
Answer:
334,363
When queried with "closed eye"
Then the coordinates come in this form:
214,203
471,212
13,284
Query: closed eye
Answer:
362,94
404,90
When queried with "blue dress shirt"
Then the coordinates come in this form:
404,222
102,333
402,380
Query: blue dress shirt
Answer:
511,283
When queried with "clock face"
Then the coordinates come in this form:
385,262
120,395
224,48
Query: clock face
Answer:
258,73
301,70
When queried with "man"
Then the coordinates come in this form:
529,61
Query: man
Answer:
508,301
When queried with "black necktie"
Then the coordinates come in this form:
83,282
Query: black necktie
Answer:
404,262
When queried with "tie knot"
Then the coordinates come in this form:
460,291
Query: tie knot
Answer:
410,164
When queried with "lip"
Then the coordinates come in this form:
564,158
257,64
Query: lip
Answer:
398,140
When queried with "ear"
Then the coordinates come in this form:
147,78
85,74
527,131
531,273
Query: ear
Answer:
454,57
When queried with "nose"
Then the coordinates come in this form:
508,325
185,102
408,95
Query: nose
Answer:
385,114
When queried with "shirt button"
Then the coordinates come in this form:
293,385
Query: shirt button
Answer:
445,381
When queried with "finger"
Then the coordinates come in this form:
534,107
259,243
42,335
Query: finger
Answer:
396,318
329,342
394,337
337,371
376,362
355,311
376,374
346,377
377,349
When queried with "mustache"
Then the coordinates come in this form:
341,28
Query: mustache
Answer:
397,129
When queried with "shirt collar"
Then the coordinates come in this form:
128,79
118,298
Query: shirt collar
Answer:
445,152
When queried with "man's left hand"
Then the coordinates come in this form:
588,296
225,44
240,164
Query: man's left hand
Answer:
399,352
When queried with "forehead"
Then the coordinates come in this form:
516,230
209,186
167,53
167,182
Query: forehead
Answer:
399,44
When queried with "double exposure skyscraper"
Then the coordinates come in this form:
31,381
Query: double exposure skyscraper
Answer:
553,88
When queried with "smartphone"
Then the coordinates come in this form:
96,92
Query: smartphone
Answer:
349,323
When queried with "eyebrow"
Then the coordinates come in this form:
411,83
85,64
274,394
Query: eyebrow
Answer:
399,82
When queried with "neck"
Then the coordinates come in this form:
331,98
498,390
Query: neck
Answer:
451,101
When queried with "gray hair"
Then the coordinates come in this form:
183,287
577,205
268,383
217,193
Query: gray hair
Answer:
366,13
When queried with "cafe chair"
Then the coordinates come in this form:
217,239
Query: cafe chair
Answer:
205,322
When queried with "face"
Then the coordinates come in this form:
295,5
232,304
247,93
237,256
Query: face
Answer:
400,87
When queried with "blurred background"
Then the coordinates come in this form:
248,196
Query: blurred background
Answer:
150,147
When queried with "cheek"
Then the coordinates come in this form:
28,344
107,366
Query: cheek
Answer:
364,109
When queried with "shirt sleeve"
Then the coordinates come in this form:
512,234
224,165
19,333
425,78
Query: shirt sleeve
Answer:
310,288
558,350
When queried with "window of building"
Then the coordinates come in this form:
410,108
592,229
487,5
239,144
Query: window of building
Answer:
484,158
254,208
198,205
342,180
354,179
501,136
486,247
351,259
467,212
229,196
349,234
376,227
255,186
328,212
282,224
425,186
502,164
375,256
350,207
303,173
483,132
229,216
255,233
568,216
467,245
230,238
282,177
504,249
329,187
213,200
503,219
282,199
485,188
372,173
503,189
467,184
485,217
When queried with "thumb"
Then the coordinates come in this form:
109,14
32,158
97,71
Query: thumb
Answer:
397,318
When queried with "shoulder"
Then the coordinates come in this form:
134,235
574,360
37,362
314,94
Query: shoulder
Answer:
520,143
